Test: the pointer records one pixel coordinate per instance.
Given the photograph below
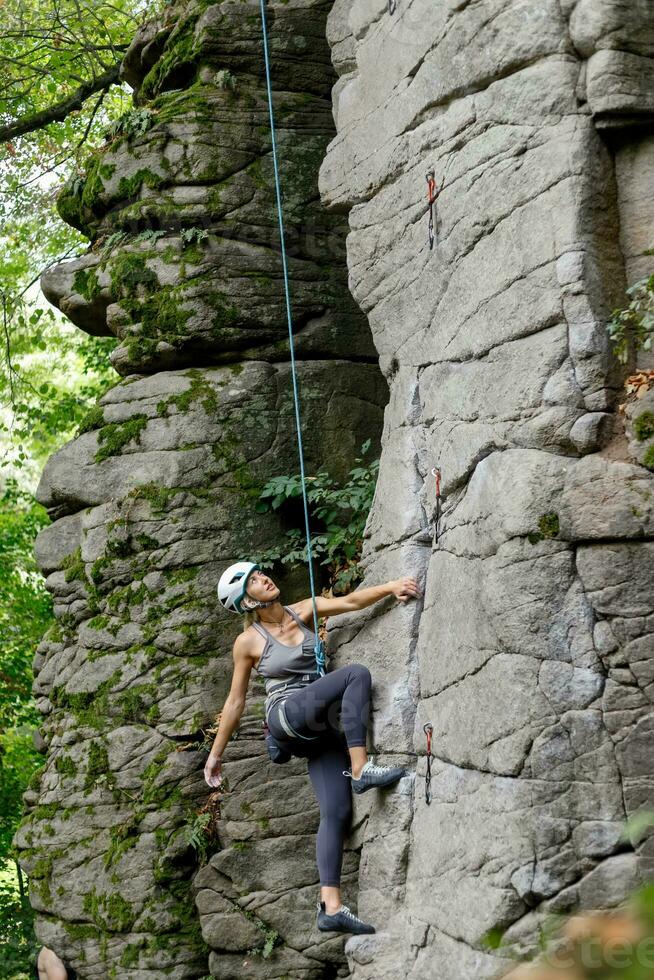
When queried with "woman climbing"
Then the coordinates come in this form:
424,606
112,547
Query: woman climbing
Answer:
302,710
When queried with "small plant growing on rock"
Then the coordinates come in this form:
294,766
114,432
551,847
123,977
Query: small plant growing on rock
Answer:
225,79
133,123
195,834
636,322
189,235
341,510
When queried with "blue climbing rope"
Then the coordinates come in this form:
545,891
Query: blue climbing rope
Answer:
319,650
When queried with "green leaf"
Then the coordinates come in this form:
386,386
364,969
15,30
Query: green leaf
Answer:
338,515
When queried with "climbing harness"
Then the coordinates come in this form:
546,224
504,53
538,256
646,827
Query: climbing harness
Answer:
275,752
294,684
428,729
432,195
436,473
392,4
318,649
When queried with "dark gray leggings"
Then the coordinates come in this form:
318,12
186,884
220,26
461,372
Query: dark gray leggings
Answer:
315,710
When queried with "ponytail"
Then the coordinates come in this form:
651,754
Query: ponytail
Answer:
250,617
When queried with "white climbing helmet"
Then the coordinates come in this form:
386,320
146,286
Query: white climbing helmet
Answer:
233,583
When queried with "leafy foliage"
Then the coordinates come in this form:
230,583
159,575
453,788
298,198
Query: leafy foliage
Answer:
136,122
25,612
195,834
25,605
636,322
341,512
189,235
18,943
55,376
60,99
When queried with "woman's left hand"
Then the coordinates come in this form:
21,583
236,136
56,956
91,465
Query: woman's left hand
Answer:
406,588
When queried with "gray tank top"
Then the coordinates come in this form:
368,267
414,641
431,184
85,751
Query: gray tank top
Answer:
286,668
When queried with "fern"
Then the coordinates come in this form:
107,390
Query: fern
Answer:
341,510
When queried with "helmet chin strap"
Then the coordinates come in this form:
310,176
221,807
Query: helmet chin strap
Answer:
250,604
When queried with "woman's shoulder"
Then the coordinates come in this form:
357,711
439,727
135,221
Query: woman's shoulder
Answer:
245,648
247,639
300,609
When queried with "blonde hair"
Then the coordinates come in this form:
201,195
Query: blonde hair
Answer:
252,616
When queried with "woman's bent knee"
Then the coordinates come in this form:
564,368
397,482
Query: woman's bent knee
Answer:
360,670
338,812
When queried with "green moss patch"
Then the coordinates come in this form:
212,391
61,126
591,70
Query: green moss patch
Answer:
90,708
128,271
548,527
130,187
64,764
177,61
643,426
74,566
160,498
93,419
114,436
110,912
97,764
86,283
198,390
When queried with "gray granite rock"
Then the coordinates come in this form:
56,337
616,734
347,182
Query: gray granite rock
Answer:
184,266
530,655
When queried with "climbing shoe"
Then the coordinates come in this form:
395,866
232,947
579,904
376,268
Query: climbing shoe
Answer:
341,921
372,775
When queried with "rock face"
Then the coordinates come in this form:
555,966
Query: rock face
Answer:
532,653
532,657
156,495
180,203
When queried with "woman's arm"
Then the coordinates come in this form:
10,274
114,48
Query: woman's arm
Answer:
402,588
232,709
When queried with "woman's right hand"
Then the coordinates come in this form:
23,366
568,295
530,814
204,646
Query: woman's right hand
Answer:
406,588
213,770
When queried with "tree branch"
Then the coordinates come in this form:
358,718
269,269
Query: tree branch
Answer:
58,112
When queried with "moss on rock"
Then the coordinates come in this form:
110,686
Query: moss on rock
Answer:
648,458
548,527
116,435
643,425
93,419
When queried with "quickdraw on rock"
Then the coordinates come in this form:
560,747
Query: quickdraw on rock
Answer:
392,4
436,473
432,195
428,729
